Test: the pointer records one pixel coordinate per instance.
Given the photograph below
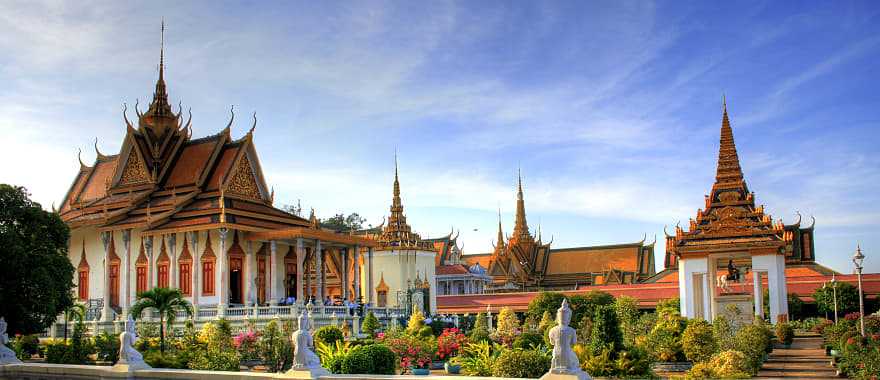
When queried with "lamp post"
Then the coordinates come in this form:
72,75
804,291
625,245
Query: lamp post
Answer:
834,291
858,258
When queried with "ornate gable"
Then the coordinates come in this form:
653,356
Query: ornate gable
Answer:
243,183
135,171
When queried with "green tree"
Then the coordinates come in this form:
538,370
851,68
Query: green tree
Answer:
480,331
847,298
698,341
340,222
167,302
371,324
627,310
671,306
76,312
546,323
37,275
545,301
605,331
508,326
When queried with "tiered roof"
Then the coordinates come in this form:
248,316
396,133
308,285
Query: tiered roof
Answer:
164,181
397,234
730,221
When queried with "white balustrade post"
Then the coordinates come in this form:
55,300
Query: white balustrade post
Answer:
126,272
106,312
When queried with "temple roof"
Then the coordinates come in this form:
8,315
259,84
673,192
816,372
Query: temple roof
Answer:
730,221
164,181
397,234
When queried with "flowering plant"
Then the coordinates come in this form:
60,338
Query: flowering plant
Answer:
246,344
854,316
449,343
412,352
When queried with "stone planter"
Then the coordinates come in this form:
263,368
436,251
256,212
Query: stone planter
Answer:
420,371
452,369
672,366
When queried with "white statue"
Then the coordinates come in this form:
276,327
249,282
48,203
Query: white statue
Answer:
7,356
565,364
418,302
129,358
305,363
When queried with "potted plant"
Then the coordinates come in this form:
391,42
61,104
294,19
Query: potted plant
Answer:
448,345
784,334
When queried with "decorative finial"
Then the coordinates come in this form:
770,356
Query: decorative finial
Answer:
231,117
251,131
162,52
82,165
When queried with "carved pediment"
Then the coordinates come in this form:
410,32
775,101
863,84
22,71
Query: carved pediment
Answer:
135,171
243,182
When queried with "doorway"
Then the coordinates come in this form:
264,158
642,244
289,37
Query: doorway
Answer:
235,286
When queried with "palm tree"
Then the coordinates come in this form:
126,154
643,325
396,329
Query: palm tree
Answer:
76,311
166,302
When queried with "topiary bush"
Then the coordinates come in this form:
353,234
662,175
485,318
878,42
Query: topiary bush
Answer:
784,333
752,341
698,341
373,359
605,331
425,332
664,341
328,335
480,331
521,363
371,325
725,365
528,340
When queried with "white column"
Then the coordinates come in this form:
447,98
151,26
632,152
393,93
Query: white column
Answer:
174,269
221,275
319,271
273,273
125,273
195,269
778,290
686,270
300,274
250,291
370,288
344,278
357,273
106,312
708,290
759,294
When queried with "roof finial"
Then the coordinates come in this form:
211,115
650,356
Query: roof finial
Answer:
162,51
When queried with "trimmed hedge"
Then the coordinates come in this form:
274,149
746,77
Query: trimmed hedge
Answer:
521,363
328,335
375,359
698,341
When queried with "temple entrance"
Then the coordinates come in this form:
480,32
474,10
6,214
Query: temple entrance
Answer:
235,286
114,284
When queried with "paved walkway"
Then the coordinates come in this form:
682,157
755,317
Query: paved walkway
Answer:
804,360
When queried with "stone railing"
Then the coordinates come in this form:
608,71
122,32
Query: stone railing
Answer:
41,371
238,316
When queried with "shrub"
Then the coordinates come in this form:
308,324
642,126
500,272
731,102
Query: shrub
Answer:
416,322
584,306
374,359
425,332
627,310
605,331
246,344
449,343
274,348
219,353
633,362
847,298
413,352
698,341
521,363
77,351
725,365
599,365
157,359
216,360
665,338
26,346
371,324
478,358
723,333
328,335
752,342
508,327
784,333
333,355
545,302
480,331
671,306
107,346
528,340
546,323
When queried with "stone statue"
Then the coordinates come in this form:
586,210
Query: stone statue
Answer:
129,358
418,301
7,356
565,364
305,363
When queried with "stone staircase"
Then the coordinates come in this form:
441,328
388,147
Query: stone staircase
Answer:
804,360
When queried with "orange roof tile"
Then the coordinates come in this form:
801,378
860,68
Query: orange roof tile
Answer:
224,163
593,260
96,187
191,163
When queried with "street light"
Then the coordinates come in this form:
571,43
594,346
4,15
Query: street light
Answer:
834,291
858,259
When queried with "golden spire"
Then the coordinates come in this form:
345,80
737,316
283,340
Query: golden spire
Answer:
500,238
521,227
729,170
395,200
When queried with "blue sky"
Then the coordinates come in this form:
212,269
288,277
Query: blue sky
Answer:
611,108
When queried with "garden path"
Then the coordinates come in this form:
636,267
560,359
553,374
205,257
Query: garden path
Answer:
804,360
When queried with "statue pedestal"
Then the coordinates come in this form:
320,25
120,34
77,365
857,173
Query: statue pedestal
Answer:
9,358
305,373
129,367
565,375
